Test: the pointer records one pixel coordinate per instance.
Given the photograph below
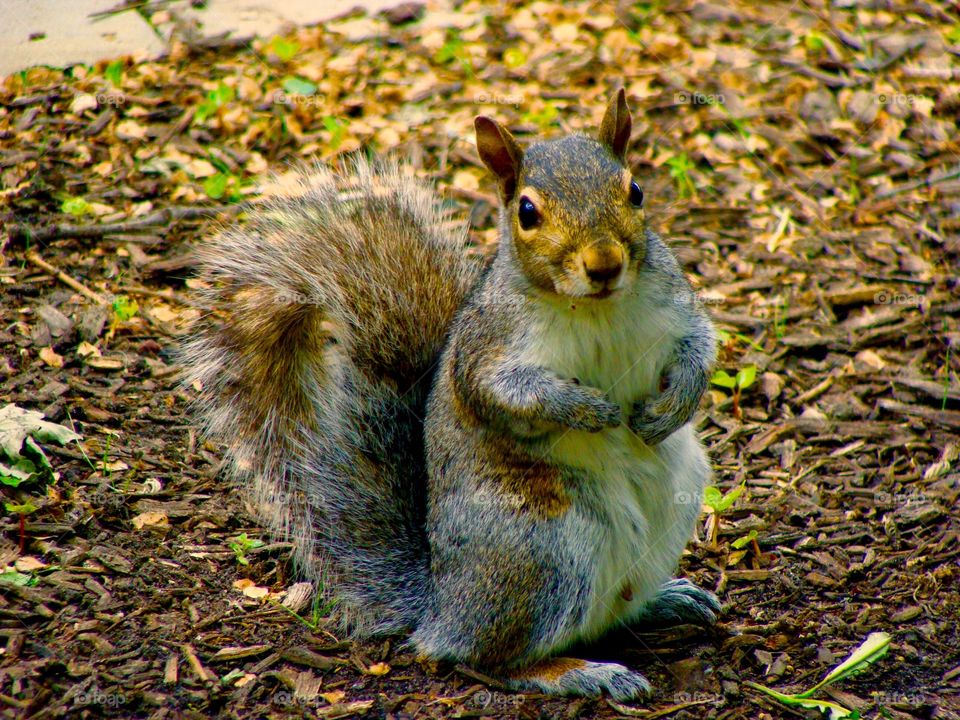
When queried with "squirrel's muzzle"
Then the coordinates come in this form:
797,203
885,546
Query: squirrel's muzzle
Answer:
603,262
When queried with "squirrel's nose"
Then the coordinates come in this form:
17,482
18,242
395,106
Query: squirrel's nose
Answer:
602,262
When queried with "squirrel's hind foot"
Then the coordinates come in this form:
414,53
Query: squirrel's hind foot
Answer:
570,676
680,601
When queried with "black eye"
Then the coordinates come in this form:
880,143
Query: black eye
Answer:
527,213
636,195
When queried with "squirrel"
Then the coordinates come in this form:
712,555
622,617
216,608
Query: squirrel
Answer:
499,460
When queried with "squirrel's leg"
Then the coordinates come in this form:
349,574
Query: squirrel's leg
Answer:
529,394
687,378
510,593
679,601
569,676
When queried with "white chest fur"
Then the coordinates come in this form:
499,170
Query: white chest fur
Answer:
644,501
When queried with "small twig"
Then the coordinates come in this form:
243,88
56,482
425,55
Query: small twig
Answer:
480,677
35,259
171,297
161,217
198,669
653,714
826,78
176,129
907,187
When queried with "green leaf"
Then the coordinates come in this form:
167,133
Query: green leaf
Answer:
514,58
450,50
114,73
216,98
742,542
14,578
24,508
21,470
680,165
19,430
830,710
873,648
746,376
124,308
953,34
76,206
814,41
543,118
298,86
723,380
284,49
37,452
712,497
717,501
337,129
215,186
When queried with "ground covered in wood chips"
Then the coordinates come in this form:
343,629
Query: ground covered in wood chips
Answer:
803,158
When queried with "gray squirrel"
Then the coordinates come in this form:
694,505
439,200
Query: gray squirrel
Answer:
499,461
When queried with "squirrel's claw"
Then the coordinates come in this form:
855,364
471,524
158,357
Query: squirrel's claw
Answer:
679,601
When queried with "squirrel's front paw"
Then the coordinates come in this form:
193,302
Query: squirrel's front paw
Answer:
651,424
594,412
655,420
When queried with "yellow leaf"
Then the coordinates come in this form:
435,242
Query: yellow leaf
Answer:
256,592
163,313
565,33
130,130
28,563
50,357
378,669
85,349
150,519
200,168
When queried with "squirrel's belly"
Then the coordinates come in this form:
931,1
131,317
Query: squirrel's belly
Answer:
644,504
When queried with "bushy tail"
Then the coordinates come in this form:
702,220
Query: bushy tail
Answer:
327,311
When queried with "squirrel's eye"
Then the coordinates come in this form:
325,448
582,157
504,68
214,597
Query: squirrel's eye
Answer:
636,195
527,214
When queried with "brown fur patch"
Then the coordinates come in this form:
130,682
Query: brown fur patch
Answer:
550,670
274,339
537,482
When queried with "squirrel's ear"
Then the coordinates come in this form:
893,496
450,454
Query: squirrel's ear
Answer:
615,128
499,152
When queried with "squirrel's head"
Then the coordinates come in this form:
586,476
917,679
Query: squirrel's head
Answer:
573,209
